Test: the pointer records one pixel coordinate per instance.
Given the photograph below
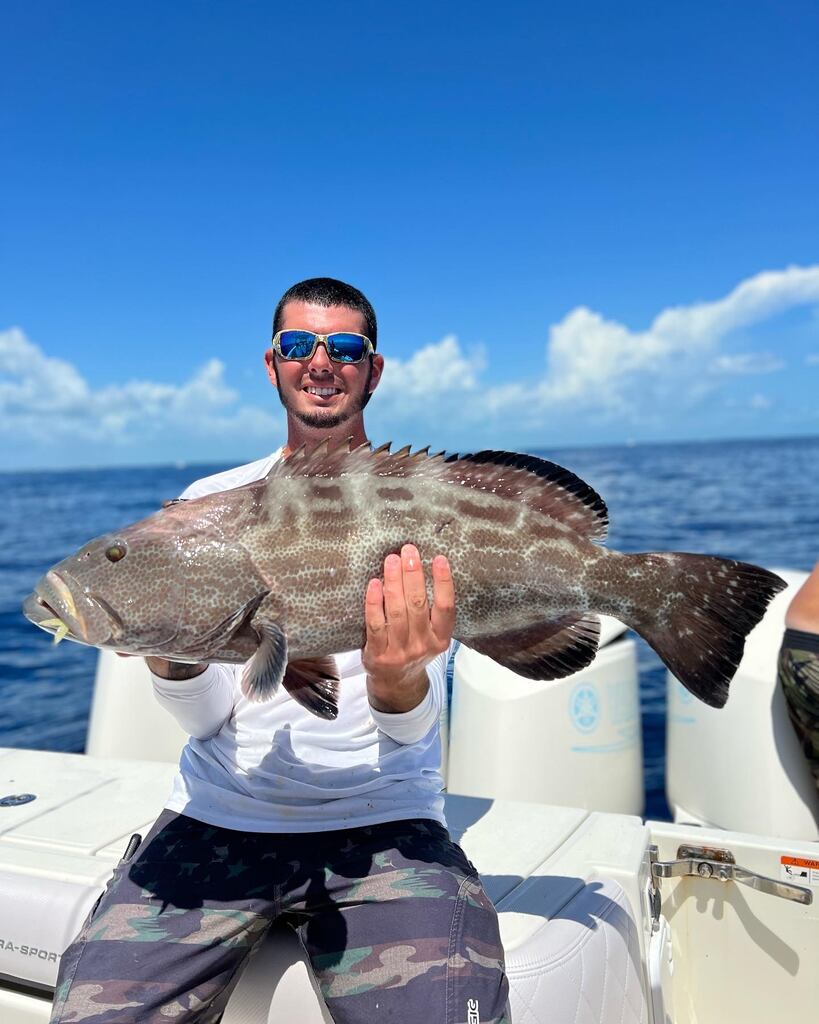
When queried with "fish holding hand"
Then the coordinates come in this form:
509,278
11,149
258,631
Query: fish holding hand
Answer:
273,573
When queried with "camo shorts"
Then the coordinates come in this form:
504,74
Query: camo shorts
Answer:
393,918
799,678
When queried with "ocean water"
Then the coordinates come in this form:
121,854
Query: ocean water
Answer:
752,500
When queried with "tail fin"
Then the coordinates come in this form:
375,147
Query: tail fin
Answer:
710,606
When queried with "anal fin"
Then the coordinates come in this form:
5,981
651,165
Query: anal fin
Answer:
547,650
313,683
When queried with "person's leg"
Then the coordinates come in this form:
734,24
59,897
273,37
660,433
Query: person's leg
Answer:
175,924
803,611
799,667
799,679
398,928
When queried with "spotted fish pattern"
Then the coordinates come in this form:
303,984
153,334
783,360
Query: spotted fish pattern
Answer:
393,917
276,570
799,679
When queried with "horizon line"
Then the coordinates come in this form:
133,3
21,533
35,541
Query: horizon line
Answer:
180,464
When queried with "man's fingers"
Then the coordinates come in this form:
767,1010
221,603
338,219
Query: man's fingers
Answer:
442,615
395,603
374,619
415,587
397,612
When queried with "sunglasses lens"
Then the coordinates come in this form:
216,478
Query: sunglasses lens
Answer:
296,344
347,348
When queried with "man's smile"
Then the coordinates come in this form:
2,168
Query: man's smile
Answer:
325,392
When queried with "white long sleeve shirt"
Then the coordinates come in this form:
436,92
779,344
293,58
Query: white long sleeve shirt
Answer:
275,767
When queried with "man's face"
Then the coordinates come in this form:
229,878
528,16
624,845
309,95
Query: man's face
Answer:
318,391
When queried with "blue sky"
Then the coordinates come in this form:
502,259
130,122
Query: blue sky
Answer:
525,191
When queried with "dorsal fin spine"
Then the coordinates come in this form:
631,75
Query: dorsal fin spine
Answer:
540,485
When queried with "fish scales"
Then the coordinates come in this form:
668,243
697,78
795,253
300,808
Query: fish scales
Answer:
274,573
349,548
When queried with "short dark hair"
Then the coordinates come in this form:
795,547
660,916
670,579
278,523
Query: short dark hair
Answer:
327,291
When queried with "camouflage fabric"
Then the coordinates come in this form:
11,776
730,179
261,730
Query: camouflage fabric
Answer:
799,678
393,917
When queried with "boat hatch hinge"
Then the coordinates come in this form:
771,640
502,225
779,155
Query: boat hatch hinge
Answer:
655,903
709,862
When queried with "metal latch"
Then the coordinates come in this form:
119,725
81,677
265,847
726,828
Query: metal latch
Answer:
708,862
655,903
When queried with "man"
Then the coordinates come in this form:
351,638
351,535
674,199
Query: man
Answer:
337,826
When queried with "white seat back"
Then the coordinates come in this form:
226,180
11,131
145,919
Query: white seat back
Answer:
126,720
741,767
573,741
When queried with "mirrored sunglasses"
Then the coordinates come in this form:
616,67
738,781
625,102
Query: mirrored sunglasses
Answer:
342,347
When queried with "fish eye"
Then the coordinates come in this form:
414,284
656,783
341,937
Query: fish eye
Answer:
115,552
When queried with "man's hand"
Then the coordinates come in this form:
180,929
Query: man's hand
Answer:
403,633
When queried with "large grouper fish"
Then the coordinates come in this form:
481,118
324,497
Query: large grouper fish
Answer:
273,573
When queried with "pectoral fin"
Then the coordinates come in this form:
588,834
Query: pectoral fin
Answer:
266,668
314,684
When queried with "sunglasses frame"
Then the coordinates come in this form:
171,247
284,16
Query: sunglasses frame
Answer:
275,344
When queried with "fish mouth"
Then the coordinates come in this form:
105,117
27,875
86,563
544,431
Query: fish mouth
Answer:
61,607
41,613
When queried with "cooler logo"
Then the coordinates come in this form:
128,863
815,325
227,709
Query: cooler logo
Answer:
584,707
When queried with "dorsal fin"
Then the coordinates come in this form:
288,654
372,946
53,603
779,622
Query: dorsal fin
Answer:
566,497
540,485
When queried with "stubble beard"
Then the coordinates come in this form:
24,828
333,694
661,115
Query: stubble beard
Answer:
325,419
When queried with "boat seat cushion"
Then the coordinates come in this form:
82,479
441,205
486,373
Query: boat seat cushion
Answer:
582,966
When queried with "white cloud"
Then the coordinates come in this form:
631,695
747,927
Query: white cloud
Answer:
434,396
598,376
419,397
597,369
206,391
46,399
742,363
432,371
593,359
32,382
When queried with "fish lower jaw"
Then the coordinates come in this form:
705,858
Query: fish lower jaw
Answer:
55,610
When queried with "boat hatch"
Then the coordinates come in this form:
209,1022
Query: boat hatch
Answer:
719,864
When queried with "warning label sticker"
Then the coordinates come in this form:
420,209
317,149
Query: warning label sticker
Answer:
802,870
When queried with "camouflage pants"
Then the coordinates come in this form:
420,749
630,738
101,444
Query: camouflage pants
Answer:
393,917
799,678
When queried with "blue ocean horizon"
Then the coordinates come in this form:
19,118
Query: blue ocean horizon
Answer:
755,500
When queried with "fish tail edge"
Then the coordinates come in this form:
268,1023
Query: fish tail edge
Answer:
716,603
